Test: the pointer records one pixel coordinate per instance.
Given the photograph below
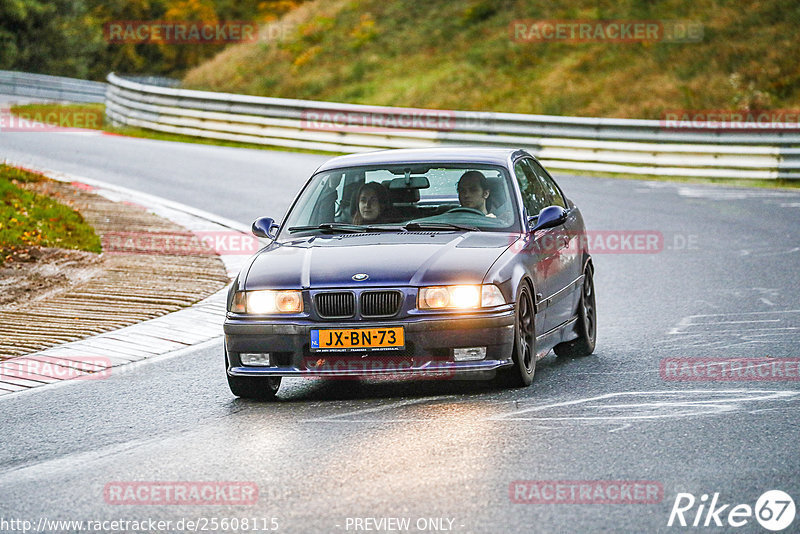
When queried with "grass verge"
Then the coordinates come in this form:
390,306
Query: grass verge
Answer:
28,219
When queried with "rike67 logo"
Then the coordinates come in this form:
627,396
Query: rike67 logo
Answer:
774,510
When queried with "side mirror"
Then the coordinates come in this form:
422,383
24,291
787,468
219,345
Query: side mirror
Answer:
263,226
549,217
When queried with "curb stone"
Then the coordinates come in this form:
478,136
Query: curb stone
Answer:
200,323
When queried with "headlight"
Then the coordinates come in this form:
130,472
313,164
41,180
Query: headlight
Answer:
267,301
459,297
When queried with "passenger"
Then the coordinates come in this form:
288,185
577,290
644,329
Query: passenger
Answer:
473,191
372,204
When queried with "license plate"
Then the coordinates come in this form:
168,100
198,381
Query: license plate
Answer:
382,338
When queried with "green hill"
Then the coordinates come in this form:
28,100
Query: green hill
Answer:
460,55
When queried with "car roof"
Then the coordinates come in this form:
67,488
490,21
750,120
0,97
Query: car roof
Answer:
480,155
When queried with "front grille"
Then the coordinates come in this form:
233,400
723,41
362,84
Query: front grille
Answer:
335,305
380,303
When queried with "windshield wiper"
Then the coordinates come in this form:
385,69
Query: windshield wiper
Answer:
346,228
388,228
331,227
358,229
438,226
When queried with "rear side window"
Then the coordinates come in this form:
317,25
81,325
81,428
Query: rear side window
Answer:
551,189
533,193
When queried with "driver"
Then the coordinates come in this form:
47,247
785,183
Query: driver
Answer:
473,191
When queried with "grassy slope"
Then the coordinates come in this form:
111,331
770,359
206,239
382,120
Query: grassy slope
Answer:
459,55
28,219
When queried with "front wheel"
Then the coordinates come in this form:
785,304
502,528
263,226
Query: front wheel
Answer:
586,325
253,387
524,351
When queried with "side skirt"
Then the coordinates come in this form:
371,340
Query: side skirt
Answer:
563,332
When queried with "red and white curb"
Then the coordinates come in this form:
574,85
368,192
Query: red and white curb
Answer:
177,331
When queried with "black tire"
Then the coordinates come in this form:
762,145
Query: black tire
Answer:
524,351
586,324
253,387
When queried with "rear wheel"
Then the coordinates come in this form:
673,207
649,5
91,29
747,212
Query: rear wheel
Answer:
253,387
524,351
586,324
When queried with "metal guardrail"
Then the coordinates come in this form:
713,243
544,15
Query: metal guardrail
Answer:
641,147
51,87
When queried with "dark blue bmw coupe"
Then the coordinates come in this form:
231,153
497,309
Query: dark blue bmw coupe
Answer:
432,262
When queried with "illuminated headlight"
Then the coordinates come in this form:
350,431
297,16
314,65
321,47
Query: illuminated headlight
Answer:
459,297
267,301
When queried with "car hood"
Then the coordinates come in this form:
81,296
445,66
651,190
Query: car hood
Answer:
388,259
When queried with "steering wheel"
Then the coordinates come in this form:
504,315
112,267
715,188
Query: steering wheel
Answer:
462,209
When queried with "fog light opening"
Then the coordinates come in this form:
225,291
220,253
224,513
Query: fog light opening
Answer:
260,359
469,354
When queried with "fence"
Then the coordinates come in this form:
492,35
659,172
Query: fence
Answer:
51,87
628,146
642,147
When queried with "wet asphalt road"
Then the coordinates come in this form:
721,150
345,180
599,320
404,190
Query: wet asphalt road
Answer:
724,285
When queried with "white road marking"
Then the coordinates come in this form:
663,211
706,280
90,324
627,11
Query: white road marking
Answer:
622,408
715,324
675,405
727,330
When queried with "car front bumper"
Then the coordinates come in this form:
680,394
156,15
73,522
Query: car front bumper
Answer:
429,344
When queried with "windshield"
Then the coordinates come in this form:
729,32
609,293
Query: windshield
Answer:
434,197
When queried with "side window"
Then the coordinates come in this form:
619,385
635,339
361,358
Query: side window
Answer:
533,194
554,195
